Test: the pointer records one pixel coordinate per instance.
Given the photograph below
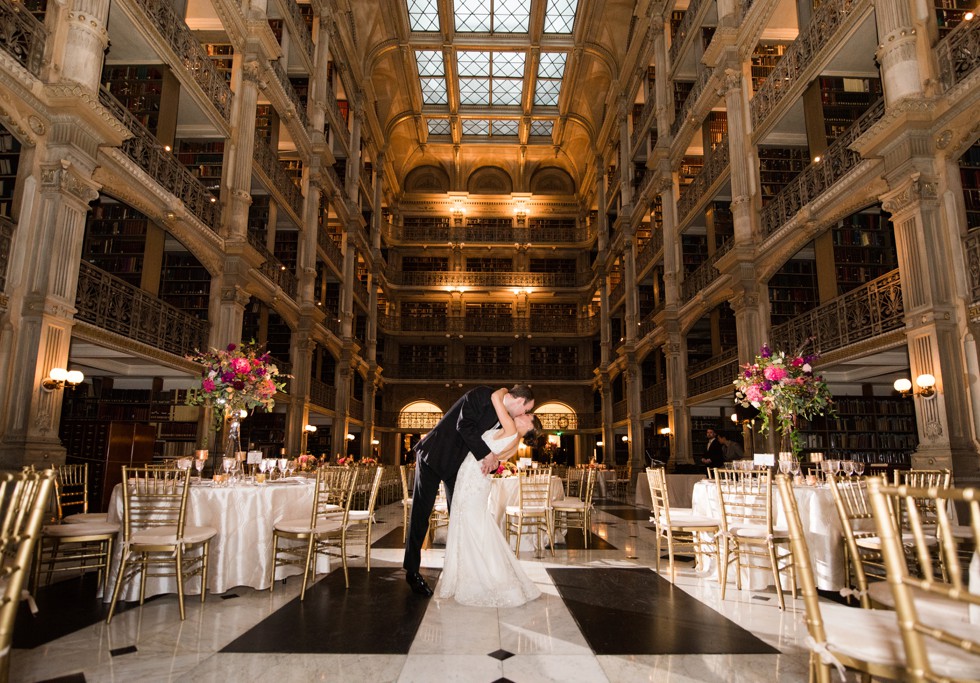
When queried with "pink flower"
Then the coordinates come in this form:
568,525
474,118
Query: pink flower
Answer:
797,363
753,393
231,347
207,385
240,365
775,373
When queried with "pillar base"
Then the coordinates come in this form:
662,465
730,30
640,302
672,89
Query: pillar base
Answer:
963,462
40,453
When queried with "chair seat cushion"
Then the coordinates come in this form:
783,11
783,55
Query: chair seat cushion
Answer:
85,518
73,530
687,517
359,516
527,509
756,531
167,535
302,525
874,543
569,504
932,609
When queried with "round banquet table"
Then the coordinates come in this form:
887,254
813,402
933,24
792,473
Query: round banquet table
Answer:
821,527
240,553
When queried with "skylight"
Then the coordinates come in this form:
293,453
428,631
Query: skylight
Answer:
541,128
490,78
423,15
551,69
492,16
432,76
439,127
560,16
490,127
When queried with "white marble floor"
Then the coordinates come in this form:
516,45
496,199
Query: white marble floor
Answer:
452,644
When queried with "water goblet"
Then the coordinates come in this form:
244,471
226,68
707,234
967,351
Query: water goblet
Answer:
834,467
794,467
283,464
848,467
291,466
199,466
227,464
784,466
859,468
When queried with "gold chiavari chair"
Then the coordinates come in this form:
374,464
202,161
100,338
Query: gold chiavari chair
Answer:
575,512
324,532
71,482
574,476
408,475
939,645
745,501
156,535
23,507
621,482
534,510
361,521
860,639
681,528
862,549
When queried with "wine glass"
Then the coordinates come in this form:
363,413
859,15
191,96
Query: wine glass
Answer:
227,464
784,466
834,467
848,467
859,468
291,466
199,466
283,464
794,467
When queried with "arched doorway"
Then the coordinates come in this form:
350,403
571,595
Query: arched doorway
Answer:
414,420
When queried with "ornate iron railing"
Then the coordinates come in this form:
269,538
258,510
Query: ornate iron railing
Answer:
504,372
863,313
425,233
22,36
331,173
299,30
652,248
330,249
722,358
146,151
704,274
463,279
654,396
612,182
800,56
462,324
6,237
273,268
192,56
718,164
360,290
704,75
716,378
648,325
639,125
678,37
332,322
410,420
617,292
620,410
287,87
355,409
554,325
322,394
112,304
743,8
816,178
959,53
281,179
971,244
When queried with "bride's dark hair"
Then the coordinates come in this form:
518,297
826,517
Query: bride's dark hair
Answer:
530,437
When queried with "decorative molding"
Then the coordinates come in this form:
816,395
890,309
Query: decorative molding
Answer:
61,177
910,195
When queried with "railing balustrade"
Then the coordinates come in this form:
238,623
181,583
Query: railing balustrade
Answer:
801,56
192,56
820,176
701,277
298,105
639,123
716,378
147,152
6,237
704,75
503,372
273,268
722,358
678,37
360,290
501,279
863,313
282,181
620,411
112,304
22,36
651,249
971,245
355,409
959,53
654,396
717,165
332,251
299,30
322,394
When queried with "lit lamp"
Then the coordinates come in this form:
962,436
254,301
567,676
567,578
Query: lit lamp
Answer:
59,377
520,212
665,431
457,213
310,428
925,382
351,437
734,418
625,438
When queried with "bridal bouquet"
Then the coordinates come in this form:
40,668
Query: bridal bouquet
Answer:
782,388
506,469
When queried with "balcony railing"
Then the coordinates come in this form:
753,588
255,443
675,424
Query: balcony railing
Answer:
718,164
287,87
117,306
6,237
330,249
959,53
360,290
281,180
704,75
541,324
503,372
322,394
620,410
971,244
455,325
273,268
464,279
705,274
146,151
192,56
718,377
654,396
22,36
648,325
721,359
816,178
299,30
801,56
652,248
355,409
680,35
617,292
863,313
639,123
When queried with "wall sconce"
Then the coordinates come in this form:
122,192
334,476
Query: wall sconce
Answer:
375,442
599,444
351,437
665,431
309,428
520,212
735,418
625,438
59,377
925,382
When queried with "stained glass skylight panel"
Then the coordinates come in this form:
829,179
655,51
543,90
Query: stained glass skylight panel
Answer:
476,126
423,15
492,16
541,128
560,16
439,127
490,78
432,76
551,69
490,127
504,127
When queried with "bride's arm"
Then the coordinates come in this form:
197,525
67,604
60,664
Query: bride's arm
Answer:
507,425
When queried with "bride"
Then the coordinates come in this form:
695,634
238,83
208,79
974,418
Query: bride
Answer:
480,568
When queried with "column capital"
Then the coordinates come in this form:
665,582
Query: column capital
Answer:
64,177
909,194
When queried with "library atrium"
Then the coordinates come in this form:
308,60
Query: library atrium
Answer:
617,202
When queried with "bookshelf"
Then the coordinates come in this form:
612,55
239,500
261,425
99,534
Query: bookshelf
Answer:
681,90
115,240
844,100
764,60
554,310
138,88
950,13
793,290
286,248
279,338
545,356
258,216
690,168
715,128
489,265
778,166
867,428
276,26
548,223
720,217
694,251
970,180
204,159
485,354
490,223
487,309
864,248
552,265
676,17
185,283
9,161
302,88
422,354
264,432
223,55
265,120
421,264
424,309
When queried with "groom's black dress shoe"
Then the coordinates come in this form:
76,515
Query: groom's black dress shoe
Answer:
418,584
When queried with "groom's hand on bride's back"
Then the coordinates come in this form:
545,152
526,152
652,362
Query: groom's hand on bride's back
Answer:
489,464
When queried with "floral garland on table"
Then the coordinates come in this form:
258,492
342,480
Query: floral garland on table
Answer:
306,462
238,377
783,388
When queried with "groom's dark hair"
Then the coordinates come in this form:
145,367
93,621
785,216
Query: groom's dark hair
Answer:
522,391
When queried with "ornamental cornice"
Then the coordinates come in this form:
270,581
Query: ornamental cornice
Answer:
881,133
62,177
65,92
15,124
88,332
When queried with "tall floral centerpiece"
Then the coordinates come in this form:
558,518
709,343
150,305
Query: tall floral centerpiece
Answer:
235,380
783,388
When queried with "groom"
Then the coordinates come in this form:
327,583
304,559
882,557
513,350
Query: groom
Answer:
439,454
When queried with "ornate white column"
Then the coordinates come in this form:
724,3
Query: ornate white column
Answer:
301,350
241,150
675,351
86,40
603,219
901,69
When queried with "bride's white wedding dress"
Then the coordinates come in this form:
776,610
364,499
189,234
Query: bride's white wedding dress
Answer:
480,568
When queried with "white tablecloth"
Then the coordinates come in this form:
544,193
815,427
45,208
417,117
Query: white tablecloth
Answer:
603,481
821,527
241,552
680,490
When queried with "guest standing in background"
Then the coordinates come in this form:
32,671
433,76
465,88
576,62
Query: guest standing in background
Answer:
714,453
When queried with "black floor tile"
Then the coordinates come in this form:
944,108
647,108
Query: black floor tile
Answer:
63,607
379,614
70,678
501,654
633,611
574,540
392,539
128,650
629,513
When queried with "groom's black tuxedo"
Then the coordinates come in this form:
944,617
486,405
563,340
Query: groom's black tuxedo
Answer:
438,456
